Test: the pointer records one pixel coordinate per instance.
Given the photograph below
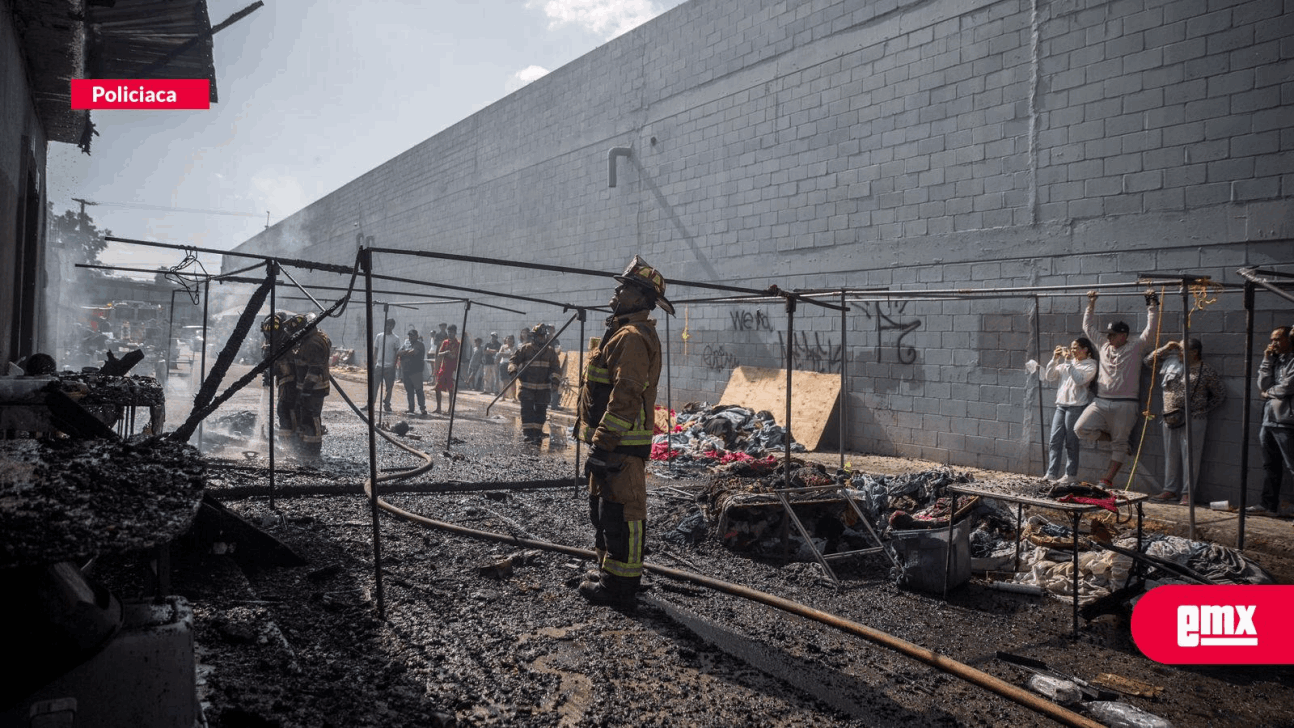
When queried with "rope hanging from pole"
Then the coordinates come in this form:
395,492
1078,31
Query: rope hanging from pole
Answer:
1146,414
1205,292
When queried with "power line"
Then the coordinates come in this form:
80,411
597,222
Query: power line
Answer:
140,206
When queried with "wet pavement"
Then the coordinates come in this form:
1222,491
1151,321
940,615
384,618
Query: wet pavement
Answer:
465,645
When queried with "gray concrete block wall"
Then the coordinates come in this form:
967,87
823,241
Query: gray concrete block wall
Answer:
937,145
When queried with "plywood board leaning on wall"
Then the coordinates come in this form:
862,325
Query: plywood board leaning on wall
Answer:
812,402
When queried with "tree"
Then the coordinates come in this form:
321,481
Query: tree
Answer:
76,234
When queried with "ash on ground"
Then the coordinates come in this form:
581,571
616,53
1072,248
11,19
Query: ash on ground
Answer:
480,633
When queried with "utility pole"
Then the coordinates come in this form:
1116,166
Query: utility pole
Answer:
84,218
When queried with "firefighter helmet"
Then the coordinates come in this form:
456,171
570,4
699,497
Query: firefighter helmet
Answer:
295,323
648,279
275,322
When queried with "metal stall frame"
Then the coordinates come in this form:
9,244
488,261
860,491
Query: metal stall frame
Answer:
1253,281
770,291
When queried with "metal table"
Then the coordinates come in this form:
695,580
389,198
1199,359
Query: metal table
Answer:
1075,511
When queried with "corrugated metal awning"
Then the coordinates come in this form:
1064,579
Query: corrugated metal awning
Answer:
151,39
52,37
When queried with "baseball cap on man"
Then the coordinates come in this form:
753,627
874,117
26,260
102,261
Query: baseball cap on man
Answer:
1117,327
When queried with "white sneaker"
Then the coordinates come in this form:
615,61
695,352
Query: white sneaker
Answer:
1048,479
1068,479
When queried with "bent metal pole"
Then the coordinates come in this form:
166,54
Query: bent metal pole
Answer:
295,263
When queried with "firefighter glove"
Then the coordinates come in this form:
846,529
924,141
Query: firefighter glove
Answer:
600,464
1152,298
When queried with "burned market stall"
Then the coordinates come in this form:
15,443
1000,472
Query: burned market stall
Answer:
744,496
78,483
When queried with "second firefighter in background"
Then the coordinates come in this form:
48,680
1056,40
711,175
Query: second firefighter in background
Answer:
536,381
301,379
617,414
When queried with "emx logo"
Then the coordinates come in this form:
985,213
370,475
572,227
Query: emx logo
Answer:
1215,625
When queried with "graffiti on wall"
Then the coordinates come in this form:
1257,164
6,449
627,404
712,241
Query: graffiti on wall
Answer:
814,351
717,358
817,354
888,317
750,320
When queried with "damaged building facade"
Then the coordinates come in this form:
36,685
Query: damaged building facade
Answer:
44,44
892,144
40,51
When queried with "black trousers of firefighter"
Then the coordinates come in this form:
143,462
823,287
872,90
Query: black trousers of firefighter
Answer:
618,510
310,420
286,409
534,413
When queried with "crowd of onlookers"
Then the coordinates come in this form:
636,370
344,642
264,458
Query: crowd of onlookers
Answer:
413,360
1098,399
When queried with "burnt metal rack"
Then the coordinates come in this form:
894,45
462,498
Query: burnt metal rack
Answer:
839,489
1075,511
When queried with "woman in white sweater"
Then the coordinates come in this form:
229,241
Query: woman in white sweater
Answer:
1075,368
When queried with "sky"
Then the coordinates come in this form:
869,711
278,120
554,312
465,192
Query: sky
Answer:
312,95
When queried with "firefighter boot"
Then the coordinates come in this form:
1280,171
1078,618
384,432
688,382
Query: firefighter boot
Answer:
613,591
595,574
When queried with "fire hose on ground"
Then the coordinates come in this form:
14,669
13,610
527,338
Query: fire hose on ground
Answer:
982,679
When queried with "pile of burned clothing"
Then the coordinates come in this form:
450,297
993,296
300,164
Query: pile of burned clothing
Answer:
724,433
1104,561
910,500
749,516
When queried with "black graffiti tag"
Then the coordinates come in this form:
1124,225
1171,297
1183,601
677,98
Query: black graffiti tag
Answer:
817,355
750,321
718,358
887,317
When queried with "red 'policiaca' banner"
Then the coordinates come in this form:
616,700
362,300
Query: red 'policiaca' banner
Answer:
153,93
1215,625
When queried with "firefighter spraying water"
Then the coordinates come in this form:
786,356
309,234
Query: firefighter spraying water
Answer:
300,380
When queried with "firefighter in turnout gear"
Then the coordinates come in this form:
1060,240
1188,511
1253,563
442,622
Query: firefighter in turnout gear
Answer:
282,376
535,382
616,416
310,360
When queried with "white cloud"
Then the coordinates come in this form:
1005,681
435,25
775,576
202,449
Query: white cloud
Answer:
524,76
607,18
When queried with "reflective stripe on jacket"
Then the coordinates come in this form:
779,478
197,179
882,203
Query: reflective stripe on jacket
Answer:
310,360
542,371
618,400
